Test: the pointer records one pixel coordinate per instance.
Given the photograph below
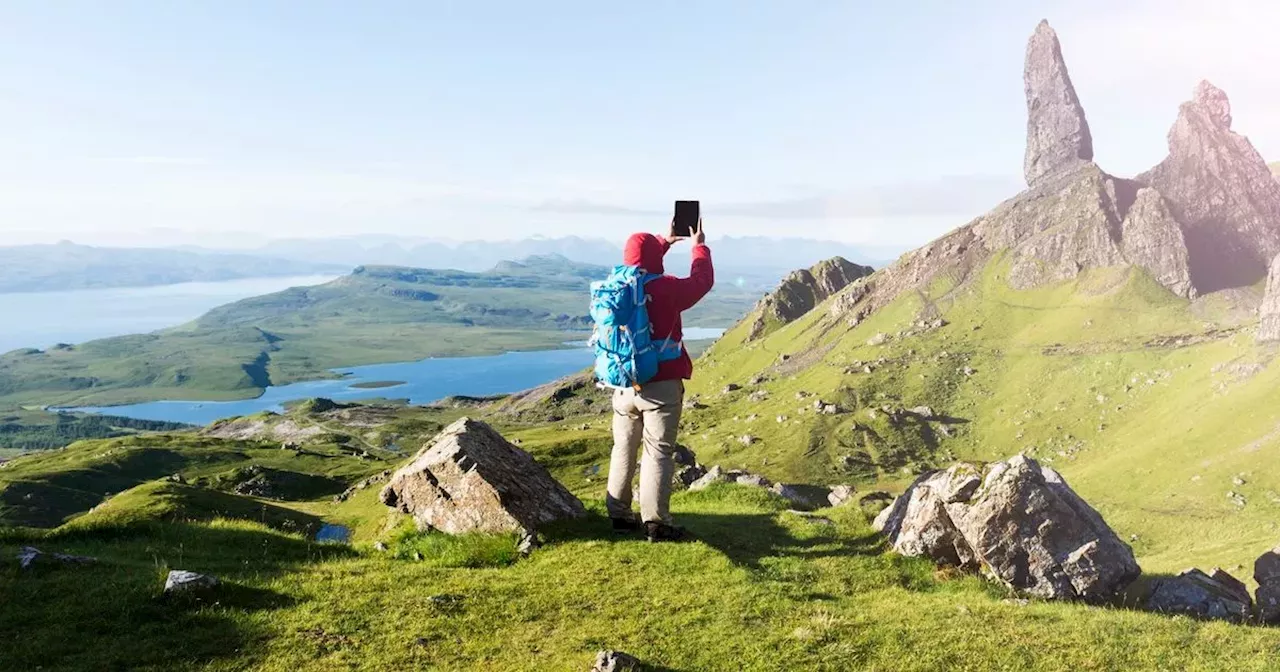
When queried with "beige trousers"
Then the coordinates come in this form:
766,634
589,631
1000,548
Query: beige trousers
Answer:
650,417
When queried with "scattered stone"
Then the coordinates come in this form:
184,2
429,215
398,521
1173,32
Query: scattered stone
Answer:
758,395
973,517
747,478
1237,480
923,411
1237,498
747,439
380,546
30,556
731,387
686,476
757,379
879,339
1217,596
615,661
968,371
692,404
782,419
840,494
1266,571
470,479
802,395
1058,137
181,581
713,475
798,497
527,543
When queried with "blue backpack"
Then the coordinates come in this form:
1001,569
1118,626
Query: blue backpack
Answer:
626,353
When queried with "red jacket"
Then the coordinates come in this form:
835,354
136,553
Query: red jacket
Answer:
669,295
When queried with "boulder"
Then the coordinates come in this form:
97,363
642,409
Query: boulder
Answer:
1221,191
840,494
180,581
615,661
30,556
1269,312
1217,595
1266,571
1058,137
470,479
1017,520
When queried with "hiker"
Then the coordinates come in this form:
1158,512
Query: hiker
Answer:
648,413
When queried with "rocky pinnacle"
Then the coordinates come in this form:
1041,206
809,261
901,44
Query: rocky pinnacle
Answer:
1058,136
1269,325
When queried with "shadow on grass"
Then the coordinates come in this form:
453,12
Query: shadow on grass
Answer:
113,614
745,538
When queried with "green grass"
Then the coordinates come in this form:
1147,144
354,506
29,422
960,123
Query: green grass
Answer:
760,589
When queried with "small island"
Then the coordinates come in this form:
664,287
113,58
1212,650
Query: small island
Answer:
377,384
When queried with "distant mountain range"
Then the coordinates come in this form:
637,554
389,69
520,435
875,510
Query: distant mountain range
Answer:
65,266
733,254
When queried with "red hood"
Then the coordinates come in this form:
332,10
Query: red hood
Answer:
644,250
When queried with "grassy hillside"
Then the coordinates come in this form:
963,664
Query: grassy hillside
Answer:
1154,408
760,589
374,315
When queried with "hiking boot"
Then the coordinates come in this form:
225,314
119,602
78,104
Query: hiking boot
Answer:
656,531
624,525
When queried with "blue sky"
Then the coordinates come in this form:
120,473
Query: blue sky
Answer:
883,124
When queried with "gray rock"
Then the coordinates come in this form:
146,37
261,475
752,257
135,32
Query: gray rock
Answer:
379,546
1018,521
1221,191
801,497
1058,137
30,556
713,475
181,581
686,476
1194,593
1152,239
731,387
747,439
470,479
923,411
747,478
840,494
615,661
527,543
1269,312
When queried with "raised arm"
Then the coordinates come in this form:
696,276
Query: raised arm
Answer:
702,276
